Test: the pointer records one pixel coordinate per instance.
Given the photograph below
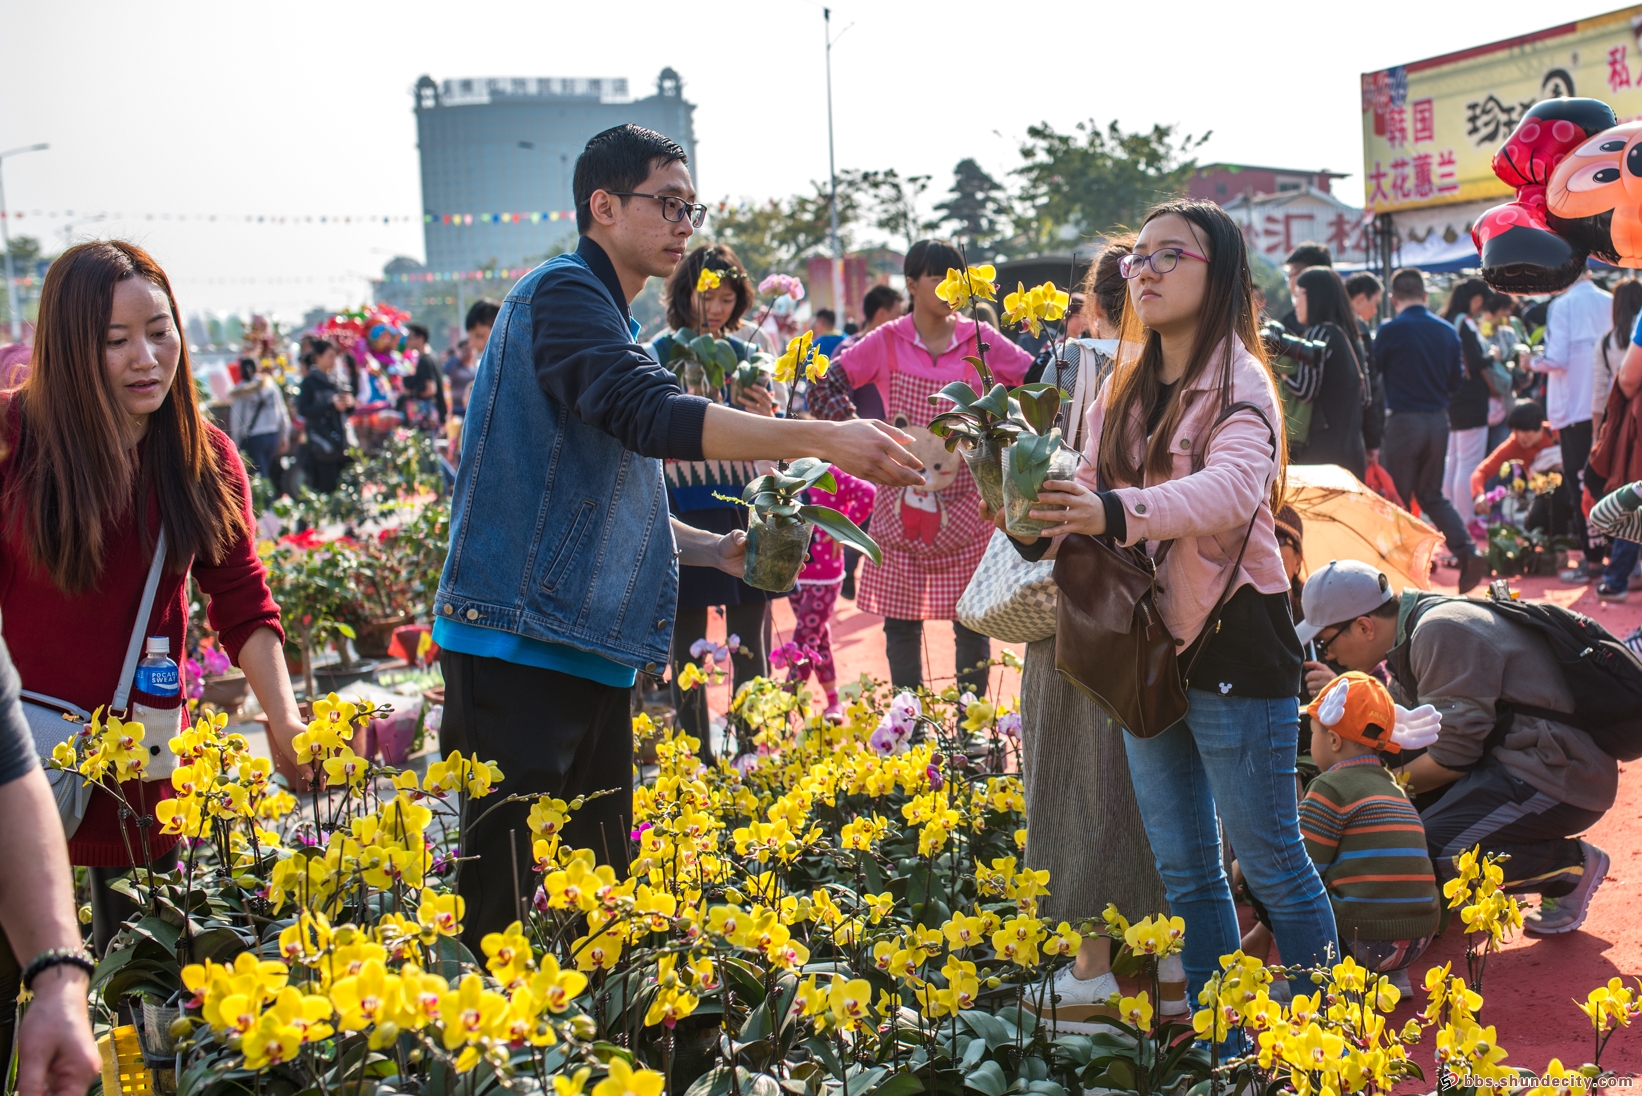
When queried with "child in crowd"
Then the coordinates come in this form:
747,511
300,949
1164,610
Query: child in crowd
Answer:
818,585
1362,832
1532,441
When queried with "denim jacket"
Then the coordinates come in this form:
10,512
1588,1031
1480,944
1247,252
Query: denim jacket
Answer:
559,532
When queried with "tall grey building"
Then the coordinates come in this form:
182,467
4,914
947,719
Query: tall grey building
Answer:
507,145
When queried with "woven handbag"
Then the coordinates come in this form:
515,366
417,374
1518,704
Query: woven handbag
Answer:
1011,598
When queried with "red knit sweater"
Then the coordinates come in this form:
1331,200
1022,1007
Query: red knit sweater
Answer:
73,648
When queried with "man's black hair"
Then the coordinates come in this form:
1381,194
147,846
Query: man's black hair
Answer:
619,159
1309,254
1408,284
1525,415
852,328
931,257
827,316
878,298
1499,302
1363,284
484,311
416,330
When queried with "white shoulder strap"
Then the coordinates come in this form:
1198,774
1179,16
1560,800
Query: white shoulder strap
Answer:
133,650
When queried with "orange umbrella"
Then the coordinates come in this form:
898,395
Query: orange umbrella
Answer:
1347,520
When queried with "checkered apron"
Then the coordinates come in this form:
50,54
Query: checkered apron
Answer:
932,541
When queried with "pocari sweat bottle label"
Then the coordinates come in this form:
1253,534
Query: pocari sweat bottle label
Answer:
157,676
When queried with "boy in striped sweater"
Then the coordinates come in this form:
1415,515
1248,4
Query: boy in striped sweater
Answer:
1362,832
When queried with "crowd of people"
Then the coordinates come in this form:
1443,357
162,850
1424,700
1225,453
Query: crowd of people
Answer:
1347,738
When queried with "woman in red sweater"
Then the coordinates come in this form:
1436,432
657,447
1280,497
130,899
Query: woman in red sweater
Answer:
105,429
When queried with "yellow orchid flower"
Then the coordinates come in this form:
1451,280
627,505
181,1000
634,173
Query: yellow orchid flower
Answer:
708,279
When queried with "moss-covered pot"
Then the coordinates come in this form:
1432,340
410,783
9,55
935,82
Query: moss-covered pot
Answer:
695,379
775,552
1017,507
985,464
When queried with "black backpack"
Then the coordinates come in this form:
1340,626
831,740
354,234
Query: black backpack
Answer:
1603,675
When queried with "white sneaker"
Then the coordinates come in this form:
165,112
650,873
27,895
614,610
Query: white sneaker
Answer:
1077,1001
1399,978
1171,987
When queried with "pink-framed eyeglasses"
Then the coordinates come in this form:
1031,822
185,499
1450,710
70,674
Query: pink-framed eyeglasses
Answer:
1163,260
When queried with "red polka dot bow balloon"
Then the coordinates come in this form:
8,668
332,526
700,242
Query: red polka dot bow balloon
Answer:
1578,177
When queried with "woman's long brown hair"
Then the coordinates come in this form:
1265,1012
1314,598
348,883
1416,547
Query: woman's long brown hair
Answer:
76,472
1227,312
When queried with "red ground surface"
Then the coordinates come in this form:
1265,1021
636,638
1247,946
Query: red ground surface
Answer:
1529,987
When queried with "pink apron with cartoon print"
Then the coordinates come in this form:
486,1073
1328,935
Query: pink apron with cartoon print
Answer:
933,537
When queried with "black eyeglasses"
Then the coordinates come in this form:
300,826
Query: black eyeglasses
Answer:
1322,645
673,209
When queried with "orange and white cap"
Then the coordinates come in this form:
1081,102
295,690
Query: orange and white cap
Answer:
1357,707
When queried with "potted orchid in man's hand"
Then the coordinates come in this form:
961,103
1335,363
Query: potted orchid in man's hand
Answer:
1038,454
778,530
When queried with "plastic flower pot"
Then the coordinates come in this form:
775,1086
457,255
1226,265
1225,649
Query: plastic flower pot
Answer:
227,692
985,460
775,552
1063,465
159,1045
695,379
395,734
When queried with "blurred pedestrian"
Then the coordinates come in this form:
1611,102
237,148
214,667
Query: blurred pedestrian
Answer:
258,419
323,406
1468,401
1575,323
1420,358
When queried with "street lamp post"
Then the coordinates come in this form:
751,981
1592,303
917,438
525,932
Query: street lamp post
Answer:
832,175
5,242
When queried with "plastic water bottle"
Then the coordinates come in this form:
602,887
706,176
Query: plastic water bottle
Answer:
157,676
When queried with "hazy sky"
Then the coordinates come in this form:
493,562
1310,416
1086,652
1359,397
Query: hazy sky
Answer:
304,108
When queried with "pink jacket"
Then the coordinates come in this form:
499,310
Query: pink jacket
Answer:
1206,512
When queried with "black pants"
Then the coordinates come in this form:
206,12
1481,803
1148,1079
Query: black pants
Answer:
750,622
550,734
1491,808
323,476
1575,439
904,645
1415,447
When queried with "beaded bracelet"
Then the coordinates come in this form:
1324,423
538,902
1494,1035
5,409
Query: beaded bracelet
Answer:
57,957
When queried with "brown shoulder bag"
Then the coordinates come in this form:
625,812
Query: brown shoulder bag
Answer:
1111,641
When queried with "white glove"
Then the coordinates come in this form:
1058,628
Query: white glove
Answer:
1416,729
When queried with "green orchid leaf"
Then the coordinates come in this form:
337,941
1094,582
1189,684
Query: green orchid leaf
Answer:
1039,404
843,530
959,392
994,403
784,510
806,469
827,482
724,355
702,348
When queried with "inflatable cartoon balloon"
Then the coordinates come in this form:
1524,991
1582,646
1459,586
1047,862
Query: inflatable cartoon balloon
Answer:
1578,177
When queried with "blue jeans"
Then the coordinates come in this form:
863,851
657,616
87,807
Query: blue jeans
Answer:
1235,754
1622,556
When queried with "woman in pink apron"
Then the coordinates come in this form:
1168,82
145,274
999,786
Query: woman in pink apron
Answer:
933,536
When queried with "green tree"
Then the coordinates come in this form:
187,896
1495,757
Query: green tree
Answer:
895,204
1097,179
750,228
978,209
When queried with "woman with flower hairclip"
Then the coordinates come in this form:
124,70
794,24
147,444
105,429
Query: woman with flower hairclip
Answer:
709,294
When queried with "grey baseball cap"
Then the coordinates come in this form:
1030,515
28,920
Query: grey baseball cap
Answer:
1342,591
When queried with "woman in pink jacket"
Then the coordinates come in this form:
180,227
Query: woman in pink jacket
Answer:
1192,351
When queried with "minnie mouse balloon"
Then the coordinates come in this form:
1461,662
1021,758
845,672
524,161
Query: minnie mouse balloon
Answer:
1539,242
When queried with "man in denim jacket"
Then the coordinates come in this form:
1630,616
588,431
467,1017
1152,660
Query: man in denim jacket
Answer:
562,576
